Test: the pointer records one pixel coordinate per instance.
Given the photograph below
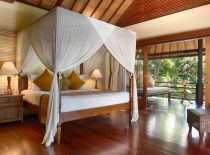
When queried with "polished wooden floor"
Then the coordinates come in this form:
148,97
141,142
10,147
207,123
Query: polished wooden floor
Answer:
161,130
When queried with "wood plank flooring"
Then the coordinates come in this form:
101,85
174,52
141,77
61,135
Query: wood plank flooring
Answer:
161,130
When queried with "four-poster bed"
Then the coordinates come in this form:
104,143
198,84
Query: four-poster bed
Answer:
62,40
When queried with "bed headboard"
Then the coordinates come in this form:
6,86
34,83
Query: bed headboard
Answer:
22,82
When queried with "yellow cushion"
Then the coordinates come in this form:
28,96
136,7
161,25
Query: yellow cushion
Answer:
44,81
75,82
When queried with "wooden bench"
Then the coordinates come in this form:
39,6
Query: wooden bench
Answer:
199,119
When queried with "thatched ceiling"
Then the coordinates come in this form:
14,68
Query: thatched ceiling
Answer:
186,48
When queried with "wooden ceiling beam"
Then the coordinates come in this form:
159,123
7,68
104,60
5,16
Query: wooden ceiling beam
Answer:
100,9
106,9
37,6
40,3
121,4
172,56
173,37
181,52
75,1
84,6
9,1
96,8
176,54
58,3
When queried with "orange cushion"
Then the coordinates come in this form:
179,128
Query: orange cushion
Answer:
75,82
44,81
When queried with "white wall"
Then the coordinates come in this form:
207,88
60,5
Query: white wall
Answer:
189,20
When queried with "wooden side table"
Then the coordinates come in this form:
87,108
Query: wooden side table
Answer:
11,108
199,119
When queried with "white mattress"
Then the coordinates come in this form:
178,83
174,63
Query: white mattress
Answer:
80,102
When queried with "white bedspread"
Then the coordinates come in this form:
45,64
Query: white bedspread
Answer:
80,102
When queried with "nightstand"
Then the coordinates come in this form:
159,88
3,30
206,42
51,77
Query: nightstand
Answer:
11,108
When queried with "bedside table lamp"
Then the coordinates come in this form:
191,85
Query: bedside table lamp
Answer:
96,74
8,68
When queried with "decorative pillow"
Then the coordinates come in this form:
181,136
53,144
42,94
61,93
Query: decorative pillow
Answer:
151,81
139,79
75,81
31,85
44,81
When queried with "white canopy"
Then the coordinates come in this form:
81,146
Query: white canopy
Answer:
62,40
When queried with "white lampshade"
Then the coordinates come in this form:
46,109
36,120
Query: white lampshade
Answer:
8,68
96,74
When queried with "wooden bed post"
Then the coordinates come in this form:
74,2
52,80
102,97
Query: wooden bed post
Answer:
145,78
20,87
81,68
131,96
58,135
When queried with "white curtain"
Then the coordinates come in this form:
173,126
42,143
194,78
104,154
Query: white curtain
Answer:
62,45
98,61
62,40
107,70
122,46
23,44
121,76
115,66
26,58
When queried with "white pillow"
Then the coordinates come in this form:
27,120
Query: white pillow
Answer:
82,77
31,85
139,79
150,80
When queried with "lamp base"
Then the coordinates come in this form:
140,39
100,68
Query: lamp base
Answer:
9,90
96,84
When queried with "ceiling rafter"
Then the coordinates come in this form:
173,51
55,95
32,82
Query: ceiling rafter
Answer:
121,4
40,2
106,9
75,2
58,3
112,10
9,1
31,4
84,6
96,8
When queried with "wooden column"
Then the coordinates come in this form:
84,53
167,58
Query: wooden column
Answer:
143,102
207,93
199,86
